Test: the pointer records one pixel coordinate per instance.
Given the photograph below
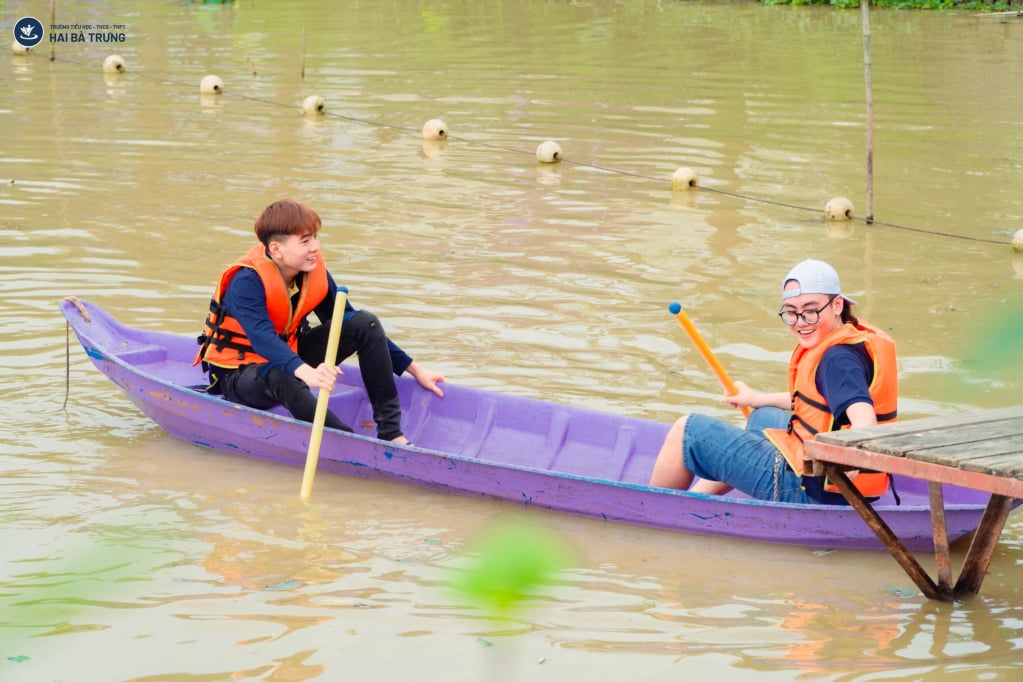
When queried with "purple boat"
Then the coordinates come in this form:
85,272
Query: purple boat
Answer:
528,452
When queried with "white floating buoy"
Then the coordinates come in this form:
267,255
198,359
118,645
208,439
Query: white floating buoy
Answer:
435,129
313,105
211,85
18,48
113,64
838,208
683,178
1017,242
548,152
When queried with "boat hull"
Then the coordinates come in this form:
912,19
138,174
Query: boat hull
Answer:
472,442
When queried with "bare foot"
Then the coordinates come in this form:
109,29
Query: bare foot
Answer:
400,440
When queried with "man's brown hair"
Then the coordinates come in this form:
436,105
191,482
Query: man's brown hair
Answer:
284,218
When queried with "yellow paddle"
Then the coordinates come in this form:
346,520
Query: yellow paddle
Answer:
706,352
333,339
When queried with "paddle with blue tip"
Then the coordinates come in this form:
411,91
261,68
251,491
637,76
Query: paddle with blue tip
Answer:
683,319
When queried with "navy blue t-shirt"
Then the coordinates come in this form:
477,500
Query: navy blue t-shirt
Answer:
844,377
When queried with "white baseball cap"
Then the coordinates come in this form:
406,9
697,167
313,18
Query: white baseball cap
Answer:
813,277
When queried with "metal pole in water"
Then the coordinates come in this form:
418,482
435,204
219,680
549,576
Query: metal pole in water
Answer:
53,20
864,7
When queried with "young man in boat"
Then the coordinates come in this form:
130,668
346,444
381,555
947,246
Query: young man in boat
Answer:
842,374
259,347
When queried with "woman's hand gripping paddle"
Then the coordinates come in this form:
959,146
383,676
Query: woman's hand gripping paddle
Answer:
316,437
706,352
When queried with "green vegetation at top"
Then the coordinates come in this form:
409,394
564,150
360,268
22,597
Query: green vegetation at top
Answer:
973,5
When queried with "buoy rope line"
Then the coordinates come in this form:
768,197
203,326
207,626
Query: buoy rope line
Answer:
605,169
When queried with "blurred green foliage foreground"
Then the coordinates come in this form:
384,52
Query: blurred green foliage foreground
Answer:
509,562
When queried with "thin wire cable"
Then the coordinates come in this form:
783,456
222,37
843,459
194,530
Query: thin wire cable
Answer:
582,164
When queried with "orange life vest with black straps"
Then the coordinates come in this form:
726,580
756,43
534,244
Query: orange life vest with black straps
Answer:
223,342
810,412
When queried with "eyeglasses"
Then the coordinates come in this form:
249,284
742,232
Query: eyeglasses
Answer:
810,316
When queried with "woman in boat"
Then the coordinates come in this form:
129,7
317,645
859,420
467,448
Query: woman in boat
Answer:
258,344
842,374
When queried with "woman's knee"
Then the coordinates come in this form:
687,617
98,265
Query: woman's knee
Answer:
767,418
675,433
669,470
678,428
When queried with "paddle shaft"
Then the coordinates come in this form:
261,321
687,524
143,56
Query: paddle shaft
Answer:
708,355
316,437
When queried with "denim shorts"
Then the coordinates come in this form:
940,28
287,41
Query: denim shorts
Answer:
742,458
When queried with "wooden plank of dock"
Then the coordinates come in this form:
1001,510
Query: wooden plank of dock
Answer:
978,450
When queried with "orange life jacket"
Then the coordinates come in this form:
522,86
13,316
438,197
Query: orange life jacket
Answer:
223,342
810,412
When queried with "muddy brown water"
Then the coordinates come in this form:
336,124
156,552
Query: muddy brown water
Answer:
128,555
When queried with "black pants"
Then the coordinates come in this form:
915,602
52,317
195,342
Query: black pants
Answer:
259,387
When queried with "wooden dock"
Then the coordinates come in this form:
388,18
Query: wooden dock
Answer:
980,450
